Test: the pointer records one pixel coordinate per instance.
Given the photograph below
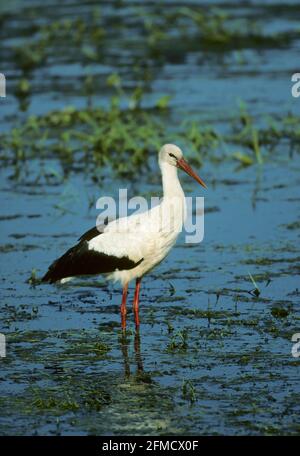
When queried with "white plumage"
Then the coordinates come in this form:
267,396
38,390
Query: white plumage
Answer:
129,247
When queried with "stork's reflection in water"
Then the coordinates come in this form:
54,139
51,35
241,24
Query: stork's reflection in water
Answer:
140,374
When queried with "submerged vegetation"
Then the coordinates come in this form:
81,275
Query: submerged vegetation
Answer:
161,36
121,133
123,138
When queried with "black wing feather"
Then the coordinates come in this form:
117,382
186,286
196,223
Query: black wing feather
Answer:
93,232
79,260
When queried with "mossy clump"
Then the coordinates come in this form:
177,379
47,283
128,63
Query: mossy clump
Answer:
279,312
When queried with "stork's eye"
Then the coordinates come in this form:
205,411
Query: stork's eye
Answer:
172,155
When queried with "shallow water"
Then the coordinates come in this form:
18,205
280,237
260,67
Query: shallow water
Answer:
211,356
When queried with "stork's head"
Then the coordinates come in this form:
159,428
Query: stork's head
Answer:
173,156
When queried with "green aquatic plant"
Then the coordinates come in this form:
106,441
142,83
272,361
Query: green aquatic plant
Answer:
178,341
60,400
97,137
242,158
279,312
23,88
188,391
201,138
50,41
188,28
170,35
122,138
30,56
33,279
293,226
256,291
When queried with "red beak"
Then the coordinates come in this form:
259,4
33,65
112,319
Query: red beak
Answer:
186,168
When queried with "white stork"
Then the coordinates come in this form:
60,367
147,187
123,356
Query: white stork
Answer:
129,247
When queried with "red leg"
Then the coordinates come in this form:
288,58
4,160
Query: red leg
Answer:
136,303
123,307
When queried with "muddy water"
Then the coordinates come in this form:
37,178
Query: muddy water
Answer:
212,356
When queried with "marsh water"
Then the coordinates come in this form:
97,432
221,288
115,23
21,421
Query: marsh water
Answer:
213,354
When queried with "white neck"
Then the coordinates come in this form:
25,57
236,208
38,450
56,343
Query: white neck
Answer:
170,181
173,202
